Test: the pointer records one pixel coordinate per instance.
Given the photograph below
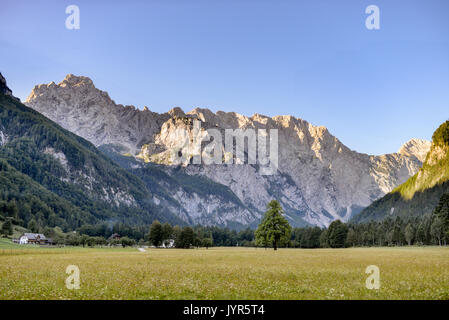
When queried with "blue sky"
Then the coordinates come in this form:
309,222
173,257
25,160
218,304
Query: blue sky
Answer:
314,59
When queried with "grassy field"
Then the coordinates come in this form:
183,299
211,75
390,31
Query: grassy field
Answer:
223,273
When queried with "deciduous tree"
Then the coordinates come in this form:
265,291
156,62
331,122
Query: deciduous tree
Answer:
156,235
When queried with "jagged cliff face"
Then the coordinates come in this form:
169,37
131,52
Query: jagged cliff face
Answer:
318,178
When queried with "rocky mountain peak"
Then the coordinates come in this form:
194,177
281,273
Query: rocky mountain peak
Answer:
71,85
73,80
77,105
416,147
176,112
203,114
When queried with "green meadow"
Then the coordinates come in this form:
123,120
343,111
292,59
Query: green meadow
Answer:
28,272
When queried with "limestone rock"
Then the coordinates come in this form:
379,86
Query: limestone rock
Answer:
318,180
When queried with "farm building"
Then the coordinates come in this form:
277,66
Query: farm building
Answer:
34,238
114,236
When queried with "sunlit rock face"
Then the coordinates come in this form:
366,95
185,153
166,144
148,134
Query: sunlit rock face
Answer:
318,178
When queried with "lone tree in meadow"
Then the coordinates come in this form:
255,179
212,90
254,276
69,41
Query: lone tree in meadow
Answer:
156,235
274,228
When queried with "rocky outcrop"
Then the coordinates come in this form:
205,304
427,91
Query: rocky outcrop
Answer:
4,88
318,178
3,138
87,179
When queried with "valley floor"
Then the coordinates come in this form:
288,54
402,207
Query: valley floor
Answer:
224,273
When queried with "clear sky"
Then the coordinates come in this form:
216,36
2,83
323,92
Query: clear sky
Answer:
314,59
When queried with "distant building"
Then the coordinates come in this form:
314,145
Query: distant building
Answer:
170,243
34,238
114,236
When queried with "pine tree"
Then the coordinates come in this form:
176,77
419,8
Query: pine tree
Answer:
337,234
7,229
274,228
167,231
409,234
437,230
351,238
442,212
12,210
324,243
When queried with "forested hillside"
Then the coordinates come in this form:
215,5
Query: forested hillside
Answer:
420,194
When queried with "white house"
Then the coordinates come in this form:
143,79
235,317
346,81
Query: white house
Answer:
170,243
35,238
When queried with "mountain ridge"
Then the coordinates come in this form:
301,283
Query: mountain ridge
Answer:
204,114
319,179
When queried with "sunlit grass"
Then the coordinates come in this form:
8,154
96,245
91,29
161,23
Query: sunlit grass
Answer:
225,273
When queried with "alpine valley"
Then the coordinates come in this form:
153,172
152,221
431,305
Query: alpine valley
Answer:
73,136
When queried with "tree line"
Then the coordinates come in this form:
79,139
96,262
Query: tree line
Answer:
273,231
431,229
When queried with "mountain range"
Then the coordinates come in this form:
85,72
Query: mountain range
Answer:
318,179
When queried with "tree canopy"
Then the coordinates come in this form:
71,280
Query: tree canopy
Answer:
441,135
